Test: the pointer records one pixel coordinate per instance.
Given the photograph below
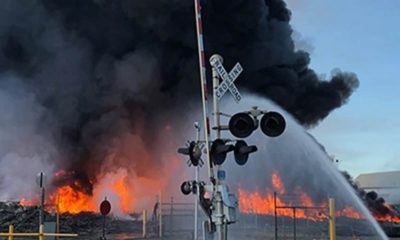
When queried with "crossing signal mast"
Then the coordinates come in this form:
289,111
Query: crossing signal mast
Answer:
221,207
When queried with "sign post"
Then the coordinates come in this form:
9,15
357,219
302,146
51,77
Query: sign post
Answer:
105,209
41,180
219,89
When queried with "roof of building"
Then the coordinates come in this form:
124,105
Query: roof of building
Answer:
379,180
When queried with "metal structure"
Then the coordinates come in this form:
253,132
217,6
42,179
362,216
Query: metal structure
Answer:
330,210
222,208
177,219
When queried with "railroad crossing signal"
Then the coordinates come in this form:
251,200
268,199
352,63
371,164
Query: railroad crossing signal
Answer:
228,79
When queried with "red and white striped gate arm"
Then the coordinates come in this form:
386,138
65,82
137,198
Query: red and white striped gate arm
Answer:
203,81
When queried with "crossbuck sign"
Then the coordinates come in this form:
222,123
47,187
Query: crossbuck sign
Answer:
228,79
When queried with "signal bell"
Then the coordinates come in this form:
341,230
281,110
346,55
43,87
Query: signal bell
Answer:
194,152
186,188
273,124
219,150
242,125
242,152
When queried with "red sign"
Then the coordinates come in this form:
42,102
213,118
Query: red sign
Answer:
105,207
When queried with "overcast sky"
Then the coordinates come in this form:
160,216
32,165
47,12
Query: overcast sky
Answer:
362,36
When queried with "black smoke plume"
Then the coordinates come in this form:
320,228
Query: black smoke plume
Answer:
97,69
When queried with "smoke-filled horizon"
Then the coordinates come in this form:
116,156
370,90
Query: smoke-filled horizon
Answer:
88,83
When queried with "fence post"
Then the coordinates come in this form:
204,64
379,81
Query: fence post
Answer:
160,224
58,216
294,224
144,224
41,232
10,231
332,224
171,215
275,218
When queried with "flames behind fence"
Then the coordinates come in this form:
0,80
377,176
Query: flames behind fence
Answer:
263,203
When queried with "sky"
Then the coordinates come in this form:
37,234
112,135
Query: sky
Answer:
361,36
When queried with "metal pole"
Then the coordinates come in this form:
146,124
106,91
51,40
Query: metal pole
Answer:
11,232
332,224
294,223
276,218
104,227
58,216
41,213
219,214
171,215
41,232
196,202
144,221
215,76
160,216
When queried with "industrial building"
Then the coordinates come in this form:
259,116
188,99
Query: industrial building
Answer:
386,184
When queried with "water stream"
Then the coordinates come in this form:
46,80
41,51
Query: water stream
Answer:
302,164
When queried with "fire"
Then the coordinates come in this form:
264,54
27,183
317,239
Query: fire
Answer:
277,183
117,186
387,218
25,202
391,216
256,203
72,201
349,212
130,175
123,193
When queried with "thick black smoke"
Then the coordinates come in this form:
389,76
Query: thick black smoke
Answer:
100,68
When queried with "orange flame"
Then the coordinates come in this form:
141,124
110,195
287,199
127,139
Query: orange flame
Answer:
277,183
255,203
72,201
26,203
123,193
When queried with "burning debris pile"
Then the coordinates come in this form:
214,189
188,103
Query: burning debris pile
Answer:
382,211
12,213
24,219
